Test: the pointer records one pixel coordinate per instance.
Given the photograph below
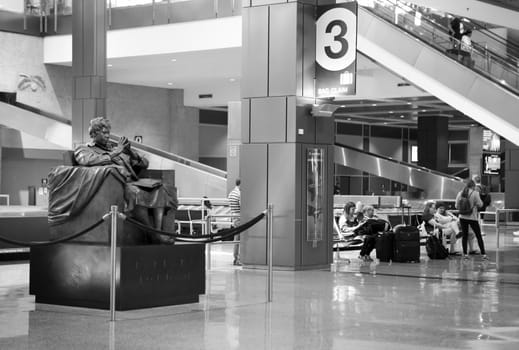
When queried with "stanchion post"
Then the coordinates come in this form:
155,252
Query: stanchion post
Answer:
270,219
208,245
497,228
113,261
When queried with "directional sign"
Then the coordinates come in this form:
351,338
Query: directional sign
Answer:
336,49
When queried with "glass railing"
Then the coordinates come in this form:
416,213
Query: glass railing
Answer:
503,70
51,17
488,36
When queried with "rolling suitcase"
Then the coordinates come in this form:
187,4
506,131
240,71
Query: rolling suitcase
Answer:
384,246
406,247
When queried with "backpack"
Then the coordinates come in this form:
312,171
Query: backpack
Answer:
484,195
435,249
464,207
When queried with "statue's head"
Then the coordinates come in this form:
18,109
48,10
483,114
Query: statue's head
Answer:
99,130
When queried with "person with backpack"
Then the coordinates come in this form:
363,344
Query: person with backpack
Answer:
467,203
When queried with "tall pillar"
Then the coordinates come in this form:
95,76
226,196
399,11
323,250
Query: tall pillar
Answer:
280,136
233,143
475,150
433,143
511,175
89,27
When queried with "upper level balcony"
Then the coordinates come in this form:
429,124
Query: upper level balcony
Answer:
54,17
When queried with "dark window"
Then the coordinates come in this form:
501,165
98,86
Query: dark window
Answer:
349,129
458,153
458,135
384,131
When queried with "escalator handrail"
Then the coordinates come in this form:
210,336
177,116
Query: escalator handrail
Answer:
40,112
501,61
174,157
389,159
171,156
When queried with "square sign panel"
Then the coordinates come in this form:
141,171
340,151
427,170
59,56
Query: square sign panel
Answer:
336,50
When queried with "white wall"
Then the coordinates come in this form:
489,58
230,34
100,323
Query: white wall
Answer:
23,54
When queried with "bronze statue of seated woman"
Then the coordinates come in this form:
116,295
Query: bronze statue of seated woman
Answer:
142,196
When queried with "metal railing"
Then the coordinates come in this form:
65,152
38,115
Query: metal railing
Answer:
208,225
36,18
114,215
501,70
497,220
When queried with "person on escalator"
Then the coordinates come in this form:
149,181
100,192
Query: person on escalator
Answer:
455,30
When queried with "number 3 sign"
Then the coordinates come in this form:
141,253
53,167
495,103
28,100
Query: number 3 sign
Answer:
336,49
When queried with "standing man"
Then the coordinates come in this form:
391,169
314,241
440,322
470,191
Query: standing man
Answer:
234,198
483,192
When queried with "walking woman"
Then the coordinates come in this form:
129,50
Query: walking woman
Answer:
468,202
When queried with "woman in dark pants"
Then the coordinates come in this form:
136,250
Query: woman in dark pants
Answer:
470,218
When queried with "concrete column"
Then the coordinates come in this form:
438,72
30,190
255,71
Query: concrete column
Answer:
433,145
233,143
475,150
89,27
278,133
511,175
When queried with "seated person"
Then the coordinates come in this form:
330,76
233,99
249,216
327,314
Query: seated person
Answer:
443,221
448,223
371,226
348,221
140,195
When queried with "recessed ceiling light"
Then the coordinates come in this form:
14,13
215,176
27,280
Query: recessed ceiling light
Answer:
109,65
170,84
424,110
402,116
173,60
349,118
232,80
390,112
343,106
374,104
385,123
409,103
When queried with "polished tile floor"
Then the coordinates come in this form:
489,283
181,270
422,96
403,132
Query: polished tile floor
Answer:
448,304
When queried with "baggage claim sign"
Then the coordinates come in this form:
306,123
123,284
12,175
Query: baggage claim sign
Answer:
336,50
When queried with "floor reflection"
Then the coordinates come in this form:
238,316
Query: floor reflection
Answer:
445,304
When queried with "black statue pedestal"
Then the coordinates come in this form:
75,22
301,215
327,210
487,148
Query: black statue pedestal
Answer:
78,274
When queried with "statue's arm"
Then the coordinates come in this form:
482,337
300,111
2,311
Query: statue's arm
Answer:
86,157
138,160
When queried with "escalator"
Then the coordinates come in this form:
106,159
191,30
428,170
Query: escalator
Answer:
55,130
192,179
434,184
487,90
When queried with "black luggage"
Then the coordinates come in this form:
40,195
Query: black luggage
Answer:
406,244
384,246
435,248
